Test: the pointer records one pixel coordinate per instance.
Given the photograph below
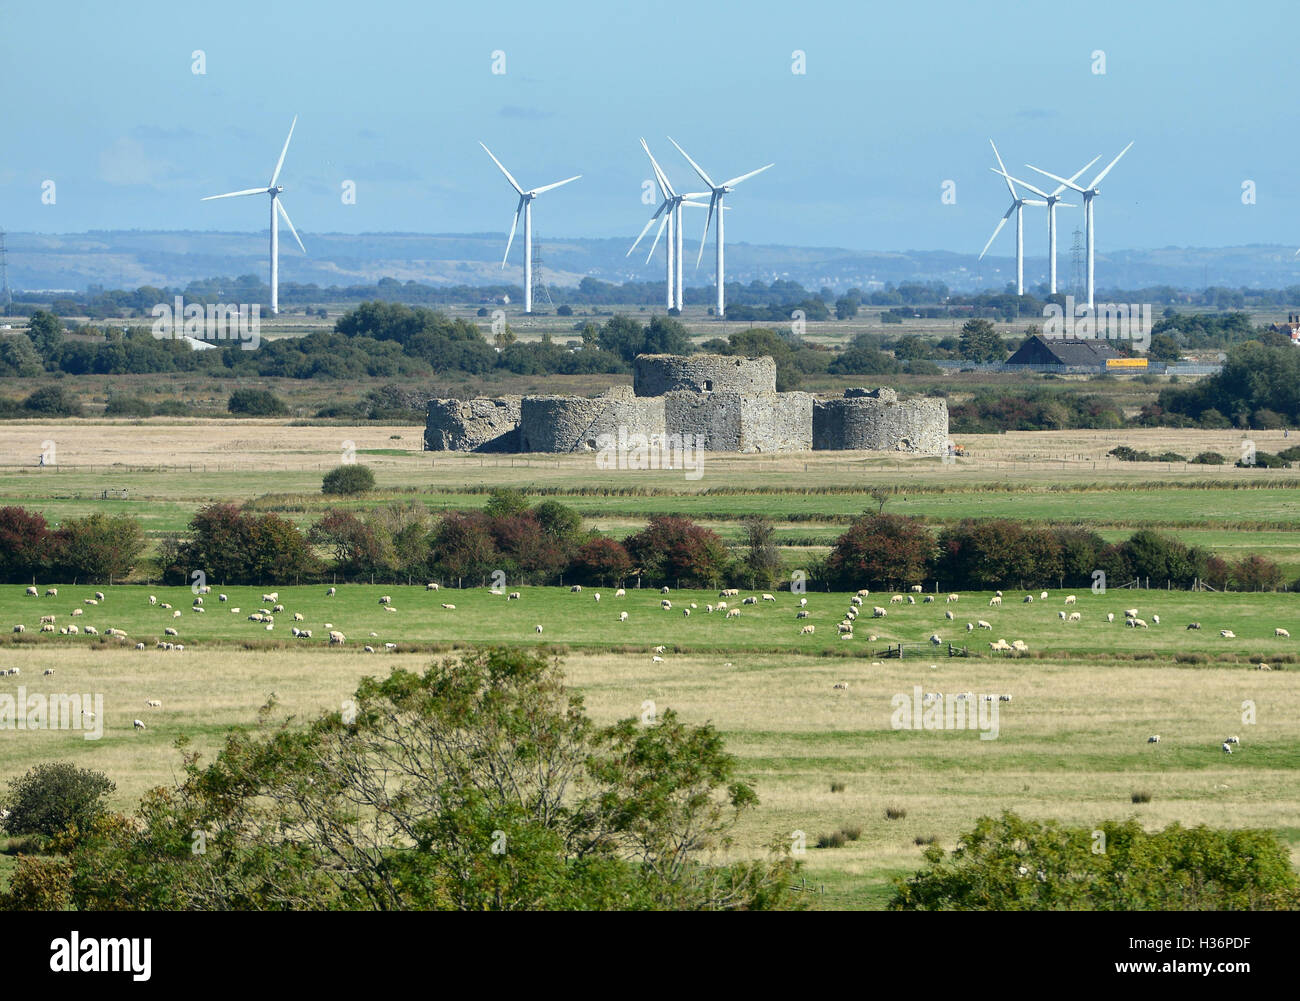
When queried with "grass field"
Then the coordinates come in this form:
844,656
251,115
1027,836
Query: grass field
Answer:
1071,745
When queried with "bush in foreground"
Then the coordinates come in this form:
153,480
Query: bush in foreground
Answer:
348,479
1010,864
53,796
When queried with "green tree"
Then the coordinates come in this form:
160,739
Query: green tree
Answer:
349,478
508,797
505,502
1011,864
762,558
882,550
980,342
53,796
100,547
1164,347
46,333
256,403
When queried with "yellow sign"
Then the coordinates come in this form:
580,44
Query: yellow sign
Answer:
1126,363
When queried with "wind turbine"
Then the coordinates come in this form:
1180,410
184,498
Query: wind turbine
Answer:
526,207
717,192
671,210
1017,206
1052,201
273,190
1089,193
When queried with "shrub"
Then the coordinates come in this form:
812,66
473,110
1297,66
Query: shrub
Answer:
1141,797
54,795
53,401
1014,864
256,403
881,549
895,813
837,787
128,406
350,478
835,840
99,546
1208,459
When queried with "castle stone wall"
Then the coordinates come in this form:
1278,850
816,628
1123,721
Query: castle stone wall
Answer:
479,425
878,421
655,375
574,424
736,422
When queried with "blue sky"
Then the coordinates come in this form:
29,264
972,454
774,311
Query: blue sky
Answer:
896,99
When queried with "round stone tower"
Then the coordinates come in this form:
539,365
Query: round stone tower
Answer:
655,375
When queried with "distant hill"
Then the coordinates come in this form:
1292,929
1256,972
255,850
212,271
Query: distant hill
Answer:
131,258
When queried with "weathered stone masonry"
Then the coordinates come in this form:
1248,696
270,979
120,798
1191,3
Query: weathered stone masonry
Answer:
730,403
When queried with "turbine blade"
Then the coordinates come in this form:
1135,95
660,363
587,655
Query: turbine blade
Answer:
698,169
513,183
1001,222
1054,177
646,229
1075,175
1097,180
288,222
1032,201
662,223
280,163
511,238
705,238
745,177
236,194
1002,167
665,188
548,187
1037,191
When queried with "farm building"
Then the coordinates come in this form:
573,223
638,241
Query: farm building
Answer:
1077,353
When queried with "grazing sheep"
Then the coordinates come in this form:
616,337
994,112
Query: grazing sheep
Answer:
1227,748
176,614
1262,667
386,599
970,626
936,639
390,646
298,617
851,614
1029,599
1130,613
431,586
952,597
48,671
153,704
389,608
844,627
1155,619
665,604
863,592
197,601
949,616
1061,615
337,638
751,600
518,595
802,614
769,597
1043,596
1227,634
1075,617
169,631
99,596
138,724
911,600
1110,616
842,686
995,600
90,601
139,646
445,605
929,600
916,588
234,611
1233,740
721,606
331,592
664,590
51,592
200,610
278,608
1070,599
369,649
1282,632
733,613
166,605
878,613
1139,624
803,602
20,629
222,598
656,660
596,596
686,613
1020,646
32,592
75,612
47,628
270,599
1154,739
807,630
305,634
896,599
91,631
620,593
622,616
1001,646
984,625
1193,625
539,630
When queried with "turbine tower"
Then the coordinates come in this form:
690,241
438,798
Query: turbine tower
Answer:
717,191
1089,193
1052,201
671,210
1017,206
526,207
273,190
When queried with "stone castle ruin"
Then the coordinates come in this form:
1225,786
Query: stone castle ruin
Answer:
730,403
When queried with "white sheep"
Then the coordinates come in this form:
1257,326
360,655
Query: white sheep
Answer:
896,599
337,638
331,592
807,630
539,630
878,613
1282,632
1076,617
1154,739
1155,619
1227,634
803,602
153,704
686,613
936,639
446,605
1110,616
995,600
1227,748
431,586
596,596
622,616
952,597
733,613
1070,599
1130,613
1233,740
32,592
949,616
139,724
99,596
664,590
984,625
769,597
222,598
